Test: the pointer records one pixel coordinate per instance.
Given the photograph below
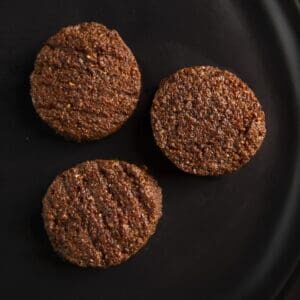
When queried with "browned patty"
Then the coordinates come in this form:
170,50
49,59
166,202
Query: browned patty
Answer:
207,121
86,82
99,213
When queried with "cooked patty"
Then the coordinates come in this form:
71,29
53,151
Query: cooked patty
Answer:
207,121
86,82
100,213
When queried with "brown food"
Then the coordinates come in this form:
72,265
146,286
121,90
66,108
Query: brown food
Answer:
99,213
207,121
86,82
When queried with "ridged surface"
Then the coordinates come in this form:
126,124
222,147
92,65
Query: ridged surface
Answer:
101,212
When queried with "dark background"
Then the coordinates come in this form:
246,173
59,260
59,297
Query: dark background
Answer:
232,237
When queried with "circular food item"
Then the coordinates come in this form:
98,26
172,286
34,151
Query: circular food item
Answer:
99,213
86,82
207,121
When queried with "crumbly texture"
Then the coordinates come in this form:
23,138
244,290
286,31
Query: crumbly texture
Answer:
86,82
207,121
99,213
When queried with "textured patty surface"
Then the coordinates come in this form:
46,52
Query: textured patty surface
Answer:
101,212
86,82
207,121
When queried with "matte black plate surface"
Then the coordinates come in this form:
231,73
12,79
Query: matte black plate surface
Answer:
233,237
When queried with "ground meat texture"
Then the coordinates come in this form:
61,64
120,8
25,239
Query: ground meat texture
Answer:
207,121
99,213
86,82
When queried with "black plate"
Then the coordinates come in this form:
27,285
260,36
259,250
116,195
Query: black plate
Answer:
234,237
